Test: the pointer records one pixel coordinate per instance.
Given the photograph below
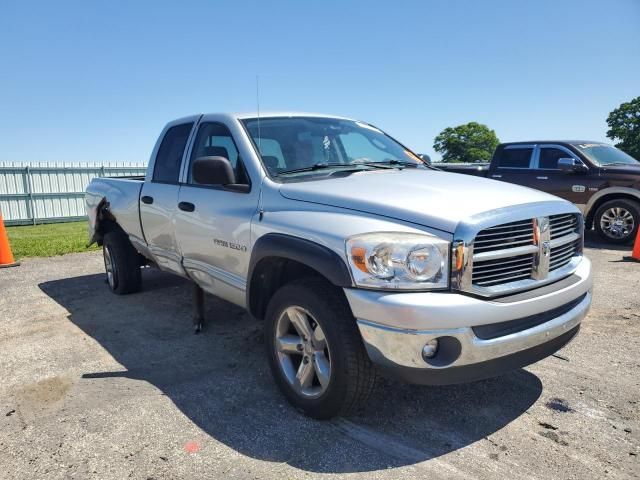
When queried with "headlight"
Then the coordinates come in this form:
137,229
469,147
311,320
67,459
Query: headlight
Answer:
407,261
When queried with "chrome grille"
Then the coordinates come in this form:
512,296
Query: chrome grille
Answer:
507,269
492,272
563,226
509,235
524,252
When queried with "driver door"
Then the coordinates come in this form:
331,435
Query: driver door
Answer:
575,187
213,222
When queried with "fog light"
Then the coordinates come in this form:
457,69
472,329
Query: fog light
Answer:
430,349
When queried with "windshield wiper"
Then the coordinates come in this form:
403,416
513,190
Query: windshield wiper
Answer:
619,163
392,163
322,166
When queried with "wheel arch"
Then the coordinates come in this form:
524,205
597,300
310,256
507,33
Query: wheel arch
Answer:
606,195
277,259
104,222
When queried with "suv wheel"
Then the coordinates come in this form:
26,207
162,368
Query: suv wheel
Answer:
616,221
315,350
121,263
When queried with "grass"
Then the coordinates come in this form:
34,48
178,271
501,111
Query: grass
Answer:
49,239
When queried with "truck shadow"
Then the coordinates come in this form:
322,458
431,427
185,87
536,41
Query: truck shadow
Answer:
593,240
221,382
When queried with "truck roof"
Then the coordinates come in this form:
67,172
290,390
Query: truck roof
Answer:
269,114
568,142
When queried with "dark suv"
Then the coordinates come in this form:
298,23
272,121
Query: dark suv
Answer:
601,180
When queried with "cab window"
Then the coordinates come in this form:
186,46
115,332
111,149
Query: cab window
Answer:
215,140
549,158
515,158
169,156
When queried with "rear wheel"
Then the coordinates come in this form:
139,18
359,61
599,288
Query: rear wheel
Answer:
315,351
616,221
121,264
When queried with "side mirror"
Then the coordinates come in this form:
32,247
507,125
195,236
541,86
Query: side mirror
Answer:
213,171
571,165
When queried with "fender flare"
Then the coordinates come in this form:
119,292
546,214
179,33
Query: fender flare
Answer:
311,254
633,192
307,252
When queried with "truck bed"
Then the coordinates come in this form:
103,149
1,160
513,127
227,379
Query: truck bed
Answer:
124,202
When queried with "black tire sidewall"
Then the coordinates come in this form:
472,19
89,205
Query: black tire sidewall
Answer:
125,258
331,401
631,206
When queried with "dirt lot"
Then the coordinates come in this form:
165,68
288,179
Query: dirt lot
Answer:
98,386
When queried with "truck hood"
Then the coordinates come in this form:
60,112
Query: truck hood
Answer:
431,198
622,169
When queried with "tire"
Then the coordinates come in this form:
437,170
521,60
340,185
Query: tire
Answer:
352,376
616,221
122,264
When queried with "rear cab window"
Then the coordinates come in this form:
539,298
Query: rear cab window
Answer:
515,157
169,157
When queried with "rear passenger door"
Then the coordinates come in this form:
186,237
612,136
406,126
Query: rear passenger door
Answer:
159,197
514,165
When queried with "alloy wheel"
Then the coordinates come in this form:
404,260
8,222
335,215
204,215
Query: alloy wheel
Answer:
110,267
303,352
617,223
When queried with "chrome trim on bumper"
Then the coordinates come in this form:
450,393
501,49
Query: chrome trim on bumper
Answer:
392,346
396,326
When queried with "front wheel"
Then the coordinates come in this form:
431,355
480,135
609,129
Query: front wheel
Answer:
315,351
616,221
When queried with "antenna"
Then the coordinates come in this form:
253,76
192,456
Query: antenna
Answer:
258,105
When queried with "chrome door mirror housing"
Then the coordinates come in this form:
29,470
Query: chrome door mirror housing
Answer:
571,165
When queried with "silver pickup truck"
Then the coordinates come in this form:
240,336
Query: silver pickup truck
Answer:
359,257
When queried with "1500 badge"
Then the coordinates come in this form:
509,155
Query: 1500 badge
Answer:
233,246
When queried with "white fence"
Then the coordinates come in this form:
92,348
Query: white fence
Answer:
33,193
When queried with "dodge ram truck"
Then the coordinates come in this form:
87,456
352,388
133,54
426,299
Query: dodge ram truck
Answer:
359,258
601,180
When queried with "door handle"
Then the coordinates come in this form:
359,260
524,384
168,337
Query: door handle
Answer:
186,206
496,176
542,178
147,199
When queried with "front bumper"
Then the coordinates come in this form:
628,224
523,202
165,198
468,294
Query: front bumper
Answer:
478,338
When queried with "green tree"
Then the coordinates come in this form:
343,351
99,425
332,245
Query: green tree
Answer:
472,142
624,124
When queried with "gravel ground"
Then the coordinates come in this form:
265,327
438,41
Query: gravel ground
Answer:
98,386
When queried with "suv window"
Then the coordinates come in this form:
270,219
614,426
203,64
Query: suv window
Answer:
169,157
515,157
215,140
549,157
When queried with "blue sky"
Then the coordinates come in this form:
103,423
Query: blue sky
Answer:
96,80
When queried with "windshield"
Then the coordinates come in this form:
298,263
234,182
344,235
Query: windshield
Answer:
602,154
312,145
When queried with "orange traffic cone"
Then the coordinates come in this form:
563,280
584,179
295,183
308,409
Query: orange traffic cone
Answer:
6,257
636,247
